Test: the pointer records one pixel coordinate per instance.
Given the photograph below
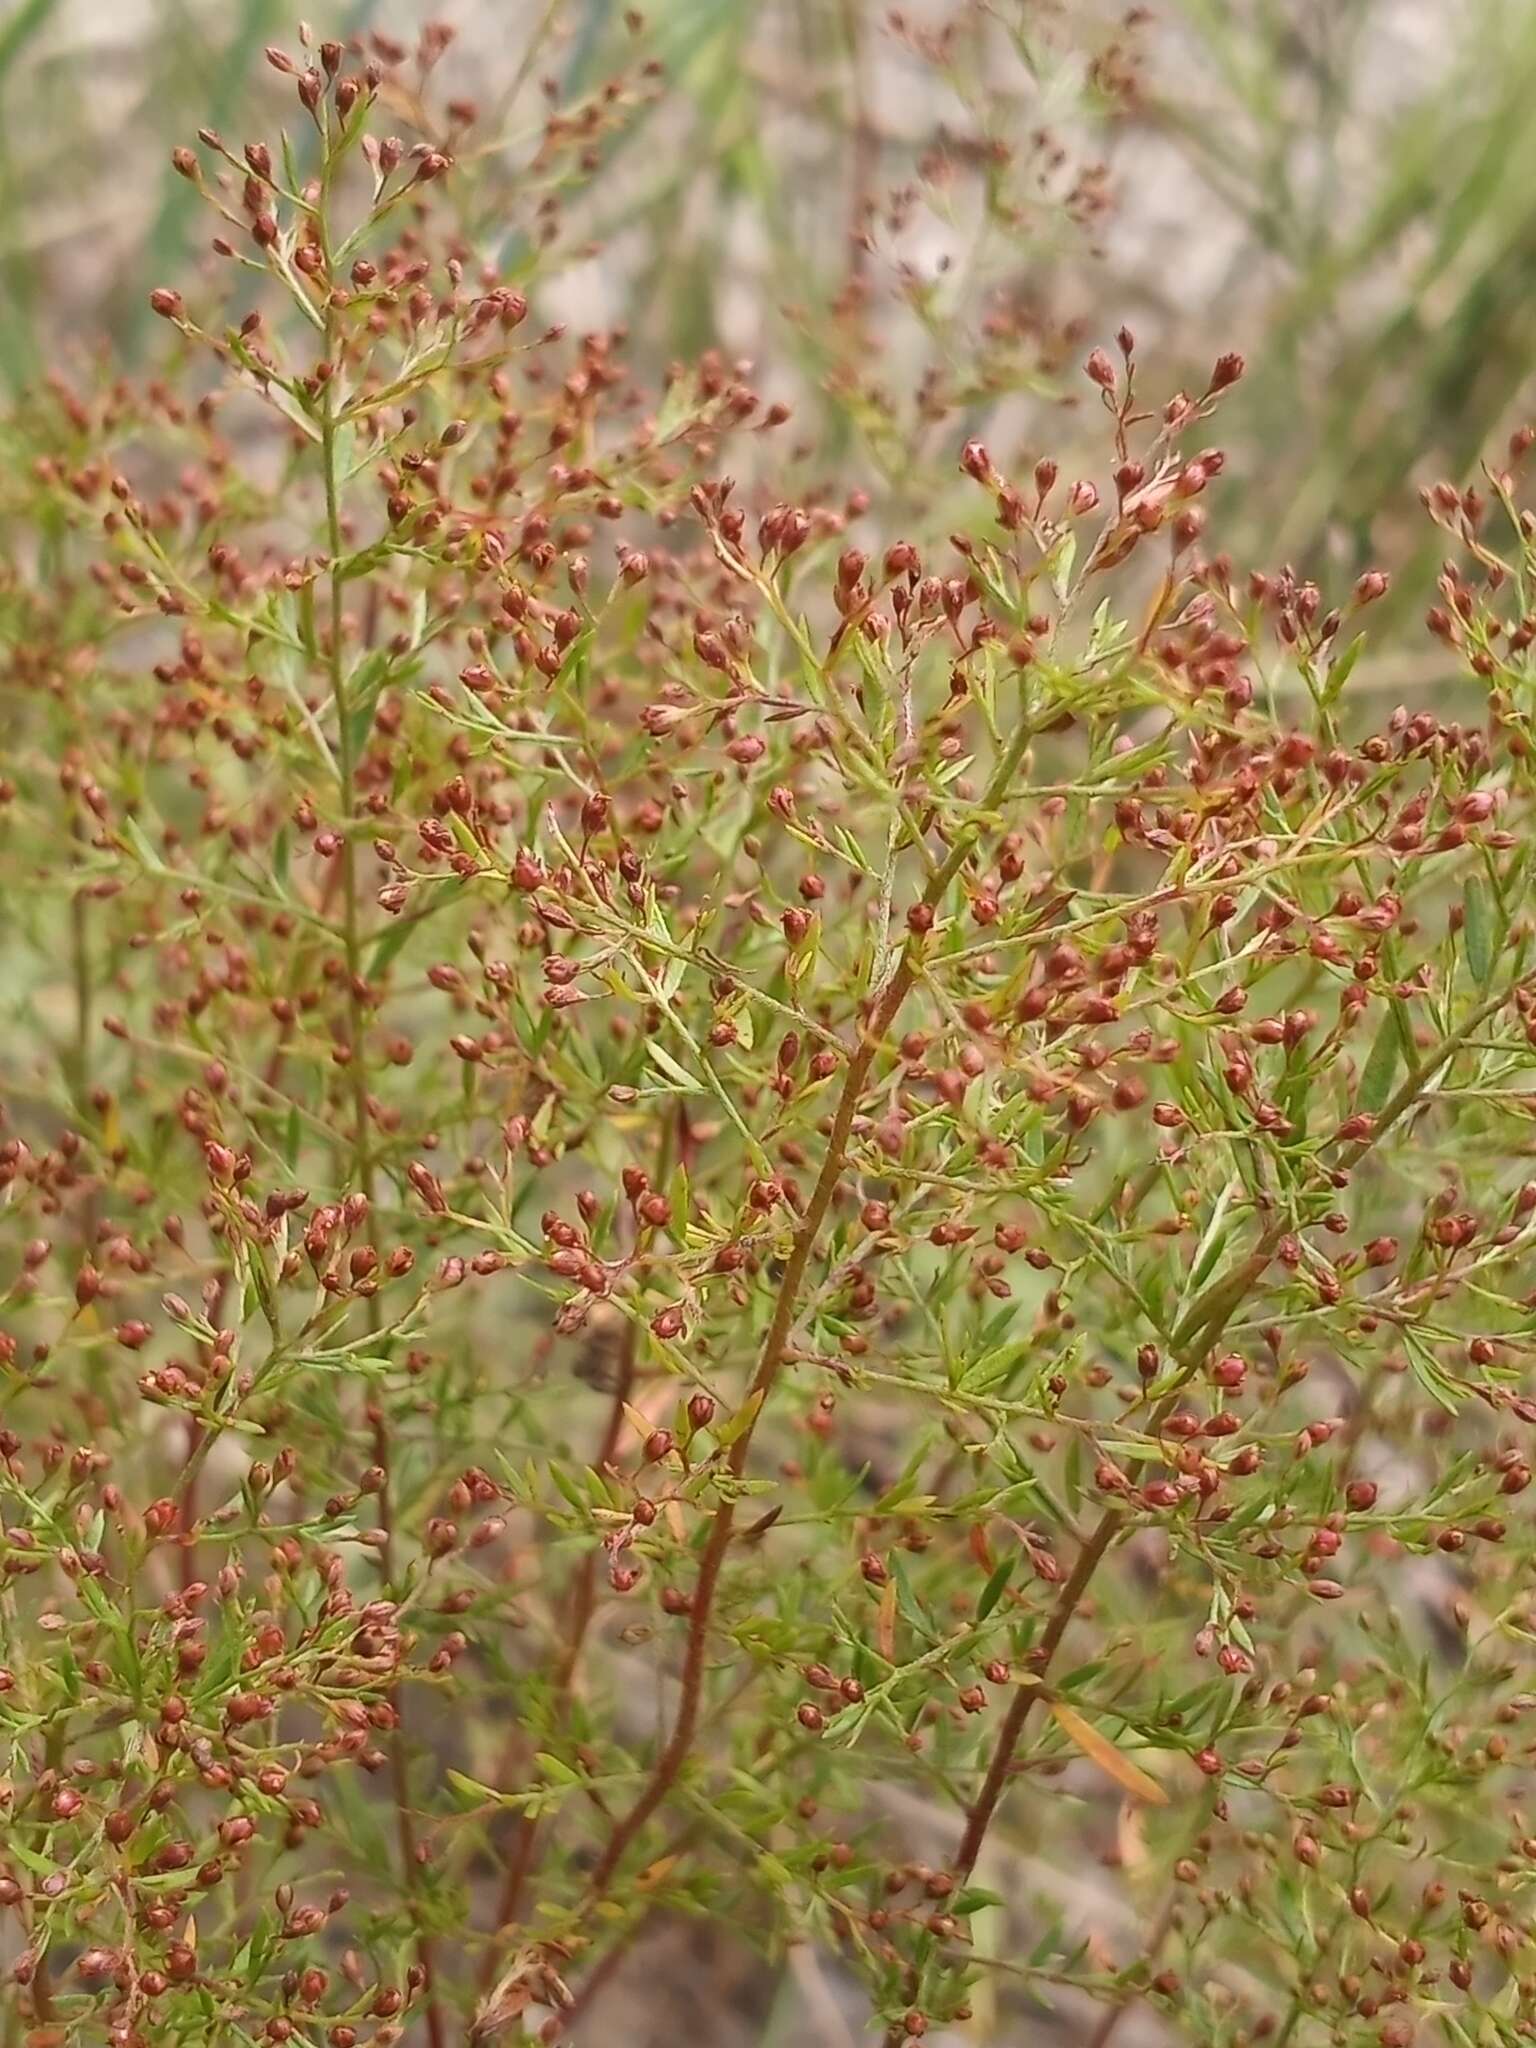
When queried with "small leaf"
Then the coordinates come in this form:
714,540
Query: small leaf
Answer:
679,408
902,1490
885,1623
1341,669
138,844
1100,1750
674,1071
907,1601
726,1432
1478,932
470,1790
974,1899
1431,1377
1059,563
992,1591
568,1488
1212,1242
1381,1067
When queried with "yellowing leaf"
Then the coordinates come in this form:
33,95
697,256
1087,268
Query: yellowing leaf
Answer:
1100,1750
405,104
885,1623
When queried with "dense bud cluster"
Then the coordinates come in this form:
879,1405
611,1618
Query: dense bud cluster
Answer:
718,1199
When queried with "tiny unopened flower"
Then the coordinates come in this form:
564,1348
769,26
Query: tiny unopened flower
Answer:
977,463
1227,371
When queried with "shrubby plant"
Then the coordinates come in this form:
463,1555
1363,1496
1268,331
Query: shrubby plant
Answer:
716,1208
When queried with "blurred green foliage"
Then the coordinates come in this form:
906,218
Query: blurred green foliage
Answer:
1341,188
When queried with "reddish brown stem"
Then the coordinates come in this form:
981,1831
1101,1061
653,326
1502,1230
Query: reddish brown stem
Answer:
669,1763
984,1806
521,1857
1197,1335
583,1605
786,1306
770,1364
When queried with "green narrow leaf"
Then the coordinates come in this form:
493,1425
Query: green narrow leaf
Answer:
1427,1371
992,1591
1479,932
568,1489
470,1792
138,844
1212,1241
1381,1067
906,1601
727,1432
974,1899
672,1069
1339,673
1059,564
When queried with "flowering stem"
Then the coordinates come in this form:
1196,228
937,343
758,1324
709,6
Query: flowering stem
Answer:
357,1069
771,1359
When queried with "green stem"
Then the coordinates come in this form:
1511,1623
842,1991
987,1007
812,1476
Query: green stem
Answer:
363,1173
